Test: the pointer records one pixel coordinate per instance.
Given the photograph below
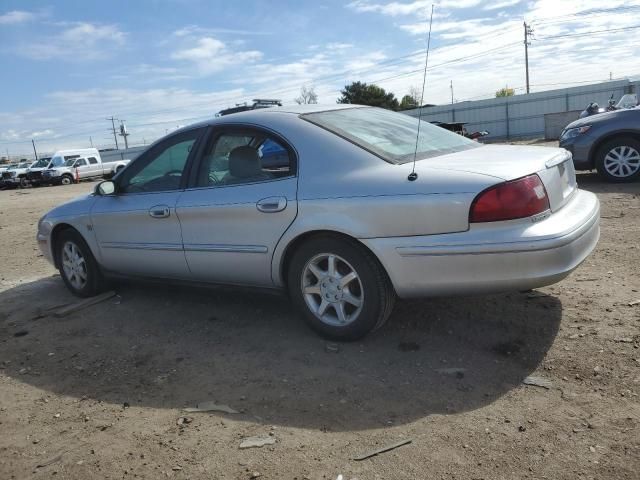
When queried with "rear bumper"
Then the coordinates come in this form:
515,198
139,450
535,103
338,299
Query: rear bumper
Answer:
488,258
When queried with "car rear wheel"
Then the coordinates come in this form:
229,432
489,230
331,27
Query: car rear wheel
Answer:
341,289
77,265
618,160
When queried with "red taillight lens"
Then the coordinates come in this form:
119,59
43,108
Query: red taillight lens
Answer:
519,198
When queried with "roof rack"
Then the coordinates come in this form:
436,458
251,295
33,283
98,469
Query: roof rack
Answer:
257,103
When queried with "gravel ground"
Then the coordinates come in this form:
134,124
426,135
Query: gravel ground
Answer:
100,393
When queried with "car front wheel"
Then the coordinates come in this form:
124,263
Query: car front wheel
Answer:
77,265
618,160
66,180
341,289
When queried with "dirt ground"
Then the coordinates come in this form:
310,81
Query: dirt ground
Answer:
99,393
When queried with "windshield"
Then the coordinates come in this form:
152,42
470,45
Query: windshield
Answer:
390,135
57,162
43,162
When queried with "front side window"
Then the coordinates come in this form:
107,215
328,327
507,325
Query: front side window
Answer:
81,163
160,169
244,157
92,160
390,135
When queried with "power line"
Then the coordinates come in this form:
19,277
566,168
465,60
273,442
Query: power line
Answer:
586,34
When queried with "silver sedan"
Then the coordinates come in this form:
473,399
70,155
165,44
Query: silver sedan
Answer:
338,206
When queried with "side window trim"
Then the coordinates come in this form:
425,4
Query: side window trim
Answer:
216,131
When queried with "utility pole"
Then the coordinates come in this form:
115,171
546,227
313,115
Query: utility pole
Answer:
124,133
113,129
528,31
34,148
451,86
91,141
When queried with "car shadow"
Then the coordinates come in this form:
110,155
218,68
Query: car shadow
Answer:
170,347
592,182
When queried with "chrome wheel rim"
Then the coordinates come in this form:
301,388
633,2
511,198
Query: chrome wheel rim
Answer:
332,290
66,181
622,161
74,265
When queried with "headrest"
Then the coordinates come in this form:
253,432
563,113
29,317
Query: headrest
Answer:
244,162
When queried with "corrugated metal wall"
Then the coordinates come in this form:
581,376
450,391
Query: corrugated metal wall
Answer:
522,116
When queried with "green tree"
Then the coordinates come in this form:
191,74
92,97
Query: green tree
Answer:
362,94
408,102
505,92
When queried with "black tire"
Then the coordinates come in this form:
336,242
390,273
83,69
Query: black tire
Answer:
373,284
95,282
24,183
66,179
629,173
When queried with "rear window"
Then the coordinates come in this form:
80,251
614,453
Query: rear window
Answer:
390,135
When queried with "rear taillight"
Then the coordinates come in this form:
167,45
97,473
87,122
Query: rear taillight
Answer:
519,198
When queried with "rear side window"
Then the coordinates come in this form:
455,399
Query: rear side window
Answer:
92,160
390,135
244,157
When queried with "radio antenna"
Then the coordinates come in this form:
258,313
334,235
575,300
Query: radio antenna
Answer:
413,175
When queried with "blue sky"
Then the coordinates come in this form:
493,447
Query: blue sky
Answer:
160,64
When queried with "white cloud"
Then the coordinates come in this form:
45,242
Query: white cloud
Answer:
394,9
210,55
15,17
501,5
77,41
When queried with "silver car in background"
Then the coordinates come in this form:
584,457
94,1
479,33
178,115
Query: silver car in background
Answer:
327,204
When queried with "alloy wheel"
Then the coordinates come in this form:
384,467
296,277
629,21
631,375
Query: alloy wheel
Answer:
622,161
74,265
332,289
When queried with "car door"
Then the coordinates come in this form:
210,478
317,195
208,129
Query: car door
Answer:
95,168
81,168
237,210
137,228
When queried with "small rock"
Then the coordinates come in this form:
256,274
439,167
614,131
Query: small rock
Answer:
57,415
522,428
176,468
184,420
592,449
624,340
255,475
257,442
331,348
125,405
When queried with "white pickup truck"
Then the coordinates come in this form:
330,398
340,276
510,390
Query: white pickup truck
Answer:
67,166
13,176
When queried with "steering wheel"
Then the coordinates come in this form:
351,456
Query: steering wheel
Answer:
173,172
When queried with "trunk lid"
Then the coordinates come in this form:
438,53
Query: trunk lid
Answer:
554,166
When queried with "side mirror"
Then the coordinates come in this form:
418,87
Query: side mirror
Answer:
105,188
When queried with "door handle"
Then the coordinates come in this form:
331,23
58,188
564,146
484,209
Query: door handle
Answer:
272,204
159,211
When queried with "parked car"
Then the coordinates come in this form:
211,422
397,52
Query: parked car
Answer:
81,168
12,176
608,142
349,223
